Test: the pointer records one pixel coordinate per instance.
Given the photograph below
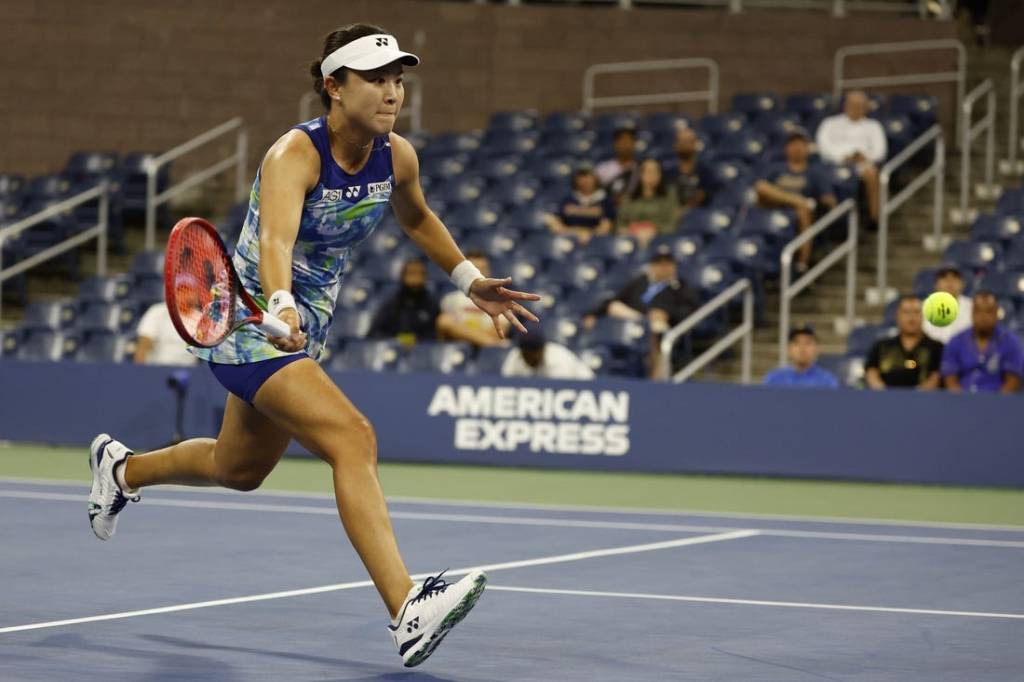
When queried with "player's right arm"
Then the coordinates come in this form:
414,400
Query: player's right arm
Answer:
290,168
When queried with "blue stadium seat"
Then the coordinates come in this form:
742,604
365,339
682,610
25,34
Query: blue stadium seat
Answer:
382,241
1013,257
495,243
566,121
1005,285
734,196
489,361
611,249
776,126
528,220
146,292
419,140
612,121
685,247
515,192
706,222
924,282
810,106
44,345
107,317
378,356
597,359
667,123
446,358
728,171
357,292
102,346
564,329
578,302
848,369
105,289
516,121
439,168
615,333
11,184
747,254
618,274
504,143
567,145
710,277
477,216
446,144
974,256
551,296
9,342
862,338
350,324
148,265
551,170
746,146
54,186
523,269
717,125
754,104
996,228
90,165
10,207
496,170
1011,202
899,132
385,268
582,274
921,109
50,315
876,103
548,247
845,181
459,190
775,225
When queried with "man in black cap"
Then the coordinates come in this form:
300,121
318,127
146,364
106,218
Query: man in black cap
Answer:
803,371
798,185
587,211
949,279
535,356
656,296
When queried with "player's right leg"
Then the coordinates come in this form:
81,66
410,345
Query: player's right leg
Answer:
244,453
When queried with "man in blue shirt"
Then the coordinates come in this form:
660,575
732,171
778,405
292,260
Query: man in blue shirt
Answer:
987,358
804,371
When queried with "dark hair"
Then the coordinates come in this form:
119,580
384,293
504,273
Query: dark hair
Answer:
332,41
986,293
908,297
638,191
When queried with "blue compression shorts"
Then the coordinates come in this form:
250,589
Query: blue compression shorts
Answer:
245,380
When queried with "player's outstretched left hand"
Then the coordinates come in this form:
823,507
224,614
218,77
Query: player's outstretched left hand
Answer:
492,297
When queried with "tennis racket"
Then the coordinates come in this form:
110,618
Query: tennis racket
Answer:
203,293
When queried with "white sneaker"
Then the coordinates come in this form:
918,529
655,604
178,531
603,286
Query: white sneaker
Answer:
106,499
430,611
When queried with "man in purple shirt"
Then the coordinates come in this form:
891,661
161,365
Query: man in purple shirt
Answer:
987,358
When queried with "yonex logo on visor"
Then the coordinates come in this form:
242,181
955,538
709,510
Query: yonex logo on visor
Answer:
366,53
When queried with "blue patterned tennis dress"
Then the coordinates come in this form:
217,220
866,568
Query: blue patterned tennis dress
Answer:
339,213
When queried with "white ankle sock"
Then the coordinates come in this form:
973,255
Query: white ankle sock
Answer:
119,477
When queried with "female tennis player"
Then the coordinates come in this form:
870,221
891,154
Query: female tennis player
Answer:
320,191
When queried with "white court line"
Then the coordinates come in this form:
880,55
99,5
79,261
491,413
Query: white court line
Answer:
540,561
594,509
532,521
758,602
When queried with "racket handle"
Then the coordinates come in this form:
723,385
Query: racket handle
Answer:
273,326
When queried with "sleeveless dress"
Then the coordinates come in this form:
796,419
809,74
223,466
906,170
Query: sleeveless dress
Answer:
338,214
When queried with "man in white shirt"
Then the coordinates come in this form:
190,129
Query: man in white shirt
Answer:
949,279
159,342
462,320
851,137
536,357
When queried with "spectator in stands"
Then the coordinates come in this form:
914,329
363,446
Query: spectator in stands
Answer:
692,181
158,341
657,297
461,320
535,356
853,138
908,360
410,315
652,207
587,211
619,175
798,185
803,371
987,358
949,279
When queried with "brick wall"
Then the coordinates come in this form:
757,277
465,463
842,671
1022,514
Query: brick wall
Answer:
123,75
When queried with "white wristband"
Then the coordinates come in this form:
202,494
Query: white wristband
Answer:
464,274
280,300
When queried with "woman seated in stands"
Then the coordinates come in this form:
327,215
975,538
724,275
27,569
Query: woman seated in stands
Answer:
651,208
587,211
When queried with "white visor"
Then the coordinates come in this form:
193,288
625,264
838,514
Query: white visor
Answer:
367,53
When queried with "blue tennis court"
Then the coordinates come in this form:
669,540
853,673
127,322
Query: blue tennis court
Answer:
213,585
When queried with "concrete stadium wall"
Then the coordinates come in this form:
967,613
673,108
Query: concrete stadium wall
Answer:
607,425
122,75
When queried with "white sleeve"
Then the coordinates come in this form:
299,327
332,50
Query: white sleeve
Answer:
878,146
827,147
451,303
514,365
149,325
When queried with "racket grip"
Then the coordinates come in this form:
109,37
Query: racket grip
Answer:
273,326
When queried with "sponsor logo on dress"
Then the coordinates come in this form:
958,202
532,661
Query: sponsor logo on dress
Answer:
378,187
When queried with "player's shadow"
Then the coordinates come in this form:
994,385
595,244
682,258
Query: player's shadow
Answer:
373,672
161,666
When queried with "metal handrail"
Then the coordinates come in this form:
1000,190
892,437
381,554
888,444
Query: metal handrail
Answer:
970,131
959,77
837,7
97,231
745,330
881,293
590,102
238,159
1013,141
412,109
848,249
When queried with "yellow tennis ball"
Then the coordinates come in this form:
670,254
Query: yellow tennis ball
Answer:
941,309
